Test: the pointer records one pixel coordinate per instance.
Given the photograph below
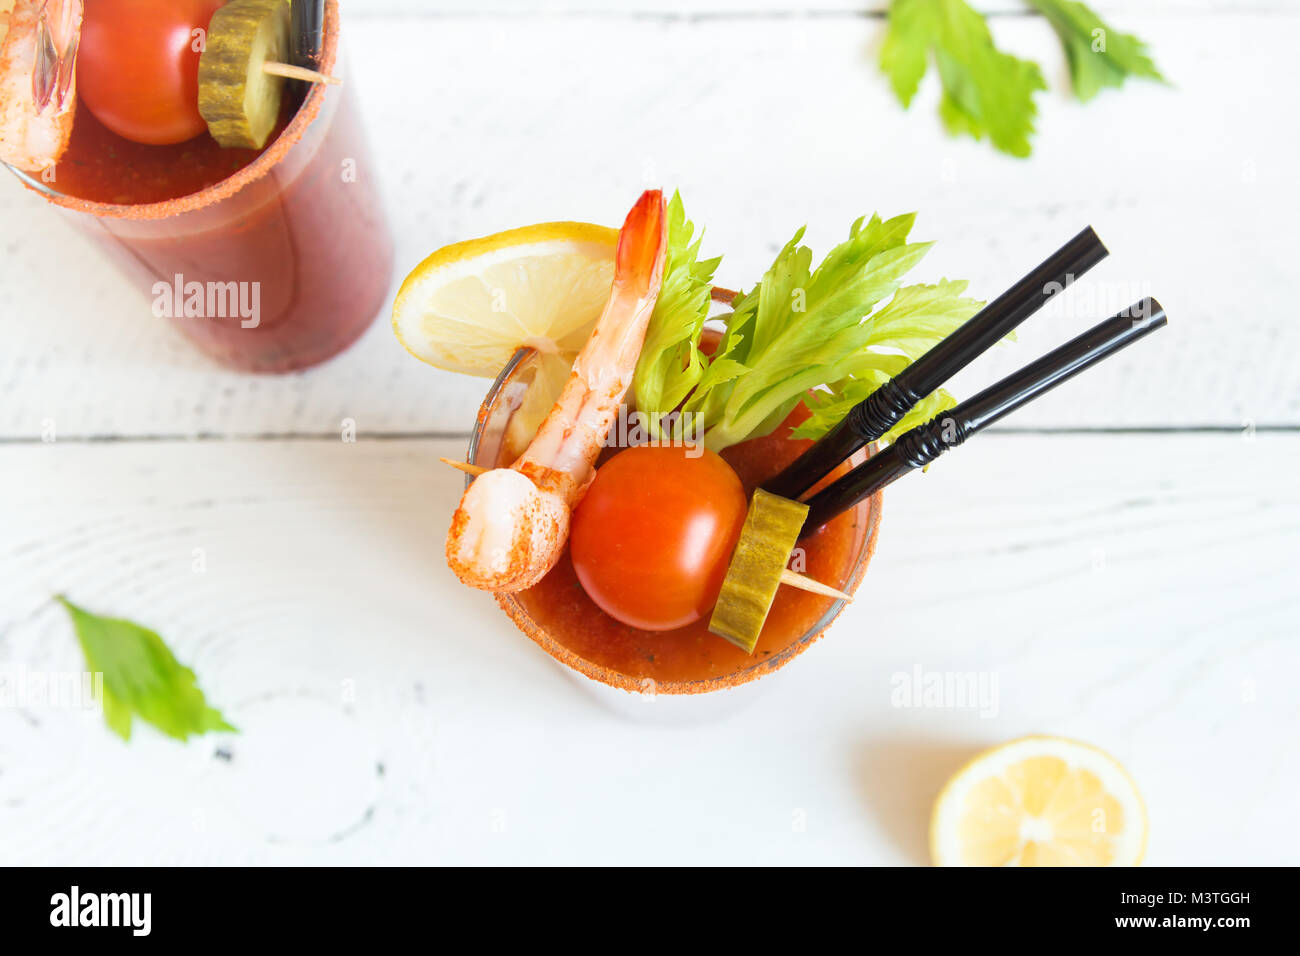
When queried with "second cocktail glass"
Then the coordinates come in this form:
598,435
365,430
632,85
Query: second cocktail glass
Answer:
279,265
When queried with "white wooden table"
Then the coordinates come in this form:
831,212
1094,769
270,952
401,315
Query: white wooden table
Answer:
1122,559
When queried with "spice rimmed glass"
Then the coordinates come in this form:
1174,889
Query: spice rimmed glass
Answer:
297,237
494,442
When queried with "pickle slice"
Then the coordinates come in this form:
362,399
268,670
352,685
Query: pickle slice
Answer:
239,101
767,537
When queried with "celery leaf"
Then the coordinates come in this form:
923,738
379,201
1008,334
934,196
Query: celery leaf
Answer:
915,319
800,328
1099,56
142,677
985,91
671,363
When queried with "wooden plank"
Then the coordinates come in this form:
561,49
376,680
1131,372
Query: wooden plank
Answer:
765,124
1137,593
749,8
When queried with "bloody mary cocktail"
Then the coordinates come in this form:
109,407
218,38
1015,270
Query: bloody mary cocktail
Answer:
268,259
621,507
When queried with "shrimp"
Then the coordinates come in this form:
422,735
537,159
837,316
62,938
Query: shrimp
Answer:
512,523
38,50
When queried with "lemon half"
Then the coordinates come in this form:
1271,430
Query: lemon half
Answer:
1039,801
469,306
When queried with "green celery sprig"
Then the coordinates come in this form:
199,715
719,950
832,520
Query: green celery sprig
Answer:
916,318
671,363
801,328
826,337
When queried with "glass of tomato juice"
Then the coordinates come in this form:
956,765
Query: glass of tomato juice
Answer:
626,664
267,260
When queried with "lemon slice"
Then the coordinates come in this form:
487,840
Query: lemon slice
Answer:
1039,801
470,305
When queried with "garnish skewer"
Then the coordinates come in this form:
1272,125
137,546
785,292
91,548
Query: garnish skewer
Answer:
251,50
793,578
884,408
291,72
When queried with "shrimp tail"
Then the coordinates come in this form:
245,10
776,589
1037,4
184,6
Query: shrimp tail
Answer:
639,262
38,50
562,453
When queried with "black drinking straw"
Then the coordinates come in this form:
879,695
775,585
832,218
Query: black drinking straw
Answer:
921,445
887,405
306,39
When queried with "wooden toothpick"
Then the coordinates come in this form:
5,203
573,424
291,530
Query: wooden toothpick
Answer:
803,583
292,72
464,466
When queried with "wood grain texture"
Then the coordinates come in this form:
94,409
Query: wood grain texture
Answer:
1135,593
770,8
484,122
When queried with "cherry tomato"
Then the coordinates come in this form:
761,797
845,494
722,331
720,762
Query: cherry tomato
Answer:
138,66
652,538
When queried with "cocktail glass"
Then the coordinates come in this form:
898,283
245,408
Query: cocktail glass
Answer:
495,442
277,267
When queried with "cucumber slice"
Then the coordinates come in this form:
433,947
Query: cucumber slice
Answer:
239,101
767,537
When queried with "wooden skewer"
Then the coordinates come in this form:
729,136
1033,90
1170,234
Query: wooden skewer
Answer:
464,466
796,580
299,73
792,578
